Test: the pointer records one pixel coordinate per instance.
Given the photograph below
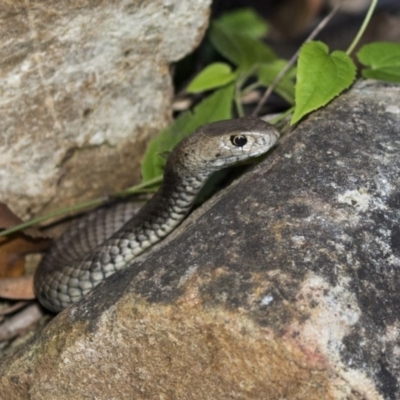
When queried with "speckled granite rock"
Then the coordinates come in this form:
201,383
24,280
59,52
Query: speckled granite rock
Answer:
285,286
83,85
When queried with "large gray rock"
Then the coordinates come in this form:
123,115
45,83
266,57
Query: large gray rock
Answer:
83,86
283,287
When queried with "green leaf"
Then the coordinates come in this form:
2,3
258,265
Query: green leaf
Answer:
267,74
242,50
246,21
215,107
213,76
320,77
383,60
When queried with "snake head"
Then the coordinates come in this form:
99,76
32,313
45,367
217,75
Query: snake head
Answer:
221,144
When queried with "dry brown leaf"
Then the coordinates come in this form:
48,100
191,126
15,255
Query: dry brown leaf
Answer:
17,288
8,219
13,248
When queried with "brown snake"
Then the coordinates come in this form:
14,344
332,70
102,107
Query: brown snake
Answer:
107,240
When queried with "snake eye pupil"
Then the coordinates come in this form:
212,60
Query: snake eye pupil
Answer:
238,140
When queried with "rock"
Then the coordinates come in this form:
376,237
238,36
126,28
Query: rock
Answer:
285,286
84,86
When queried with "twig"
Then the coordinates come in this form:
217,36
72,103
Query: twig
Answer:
291,62
15,307
14,325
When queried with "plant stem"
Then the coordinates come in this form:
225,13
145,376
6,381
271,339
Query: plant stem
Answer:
56,213
363,27
78,207
139,187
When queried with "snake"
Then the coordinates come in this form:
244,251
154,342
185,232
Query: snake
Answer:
107,240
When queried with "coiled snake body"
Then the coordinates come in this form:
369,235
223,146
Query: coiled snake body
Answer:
91,251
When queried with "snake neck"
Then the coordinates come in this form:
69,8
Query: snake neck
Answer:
165,210
158,217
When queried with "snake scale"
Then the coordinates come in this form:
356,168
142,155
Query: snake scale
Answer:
107,240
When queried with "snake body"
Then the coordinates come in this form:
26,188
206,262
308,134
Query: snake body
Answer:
105,242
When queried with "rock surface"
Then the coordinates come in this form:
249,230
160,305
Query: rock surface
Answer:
283,287
84,84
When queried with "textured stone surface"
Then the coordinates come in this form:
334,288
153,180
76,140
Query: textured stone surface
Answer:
284,287
83,85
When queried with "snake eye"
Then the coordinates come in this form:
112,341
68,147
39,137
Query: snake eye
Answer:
238,140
